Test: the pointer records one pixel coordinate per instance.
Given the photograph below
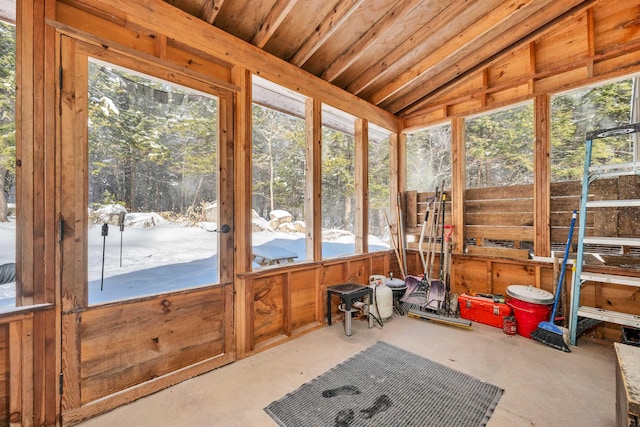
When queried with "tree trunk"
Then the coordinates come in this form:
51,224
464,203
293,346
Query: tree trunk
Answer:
4,217
271,173
132,184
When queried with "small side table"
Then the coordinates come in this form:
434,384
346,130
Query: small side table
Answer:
349,293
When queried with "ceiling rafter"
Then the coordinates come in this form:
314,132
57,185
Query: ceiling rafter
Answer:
369,39
272,21
340,14
422,102
450,51
385,65
477,52
210,10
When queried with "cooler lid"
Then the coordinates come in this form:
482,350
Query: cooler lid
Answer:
530,294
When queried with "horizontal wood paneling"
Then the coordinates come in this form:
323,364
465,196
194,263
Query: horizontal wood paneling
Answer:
506,213
5,411
155,337
491,275
289,301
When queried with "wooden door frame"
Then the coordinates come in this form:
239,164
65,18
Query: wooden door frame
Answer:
71,202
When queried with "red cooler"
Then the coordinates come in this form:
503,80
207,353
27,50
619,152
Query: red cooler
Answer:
483,310
530,306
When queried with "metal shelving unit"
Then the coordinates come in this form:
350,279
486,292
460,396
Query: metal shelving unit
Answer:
591,174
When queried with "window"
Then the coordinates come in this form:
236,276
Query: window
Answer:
278,174
575,113
8,214
429,158
379,197
152,185
338,183
499,148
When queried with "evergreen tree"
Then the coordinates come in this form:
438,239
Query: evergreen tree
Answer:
500,148
152,146
429,158
575,113
7,116
338,179
278,162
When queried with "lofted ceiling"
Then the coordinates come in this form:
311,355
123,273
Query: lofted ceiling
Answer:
396,54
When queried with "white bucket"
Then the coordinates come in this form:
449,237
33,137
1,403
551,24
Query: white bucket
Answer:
382,302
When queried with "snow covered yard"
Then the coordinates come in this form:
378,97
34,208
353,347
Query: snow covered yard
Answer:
161,256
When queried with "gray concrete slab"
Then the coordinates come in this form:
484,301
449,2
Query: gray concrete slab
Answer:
543,386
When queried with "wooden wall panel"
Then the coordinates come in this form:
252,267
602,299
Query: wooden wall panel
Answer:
509,95
380,263
514,65
268,307
156,336
289,301
469,275
358,271
492,275
565,46
504,275
334,274
304,297
615,23
507,213
465,107
4,375
562,81
618,65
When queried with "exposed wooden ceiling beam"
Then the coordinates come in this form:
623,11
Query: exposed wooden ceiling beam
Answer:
341,12
369,39
409,46
276,15
404,107
497,17
210,10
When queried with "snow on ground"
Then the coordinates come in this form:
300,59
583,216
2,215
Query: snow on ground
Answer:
8,254
159,256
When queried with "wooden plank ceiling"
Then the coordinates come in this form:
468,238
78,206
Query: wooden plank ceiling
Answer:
396,54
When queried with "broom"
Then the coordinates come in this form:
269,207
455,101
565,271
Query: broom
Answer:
548,333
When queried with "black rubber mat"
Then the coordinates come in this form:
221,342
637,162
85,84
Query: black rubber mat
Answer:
387,386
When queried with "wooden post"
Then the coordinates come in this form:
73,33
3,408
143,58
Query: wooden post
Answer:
362,185
459,183
313,178
398,179
542,177
242,233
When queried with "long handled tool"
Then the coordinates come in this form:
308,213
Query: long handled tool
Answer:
425,224
395,247
548,332
402,247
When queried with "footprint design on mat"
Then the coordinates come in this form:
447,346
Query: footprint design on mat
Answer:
345,389
345,418
381,404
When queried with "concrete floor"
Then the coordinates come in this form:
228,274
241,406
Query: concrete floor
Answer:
543,386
